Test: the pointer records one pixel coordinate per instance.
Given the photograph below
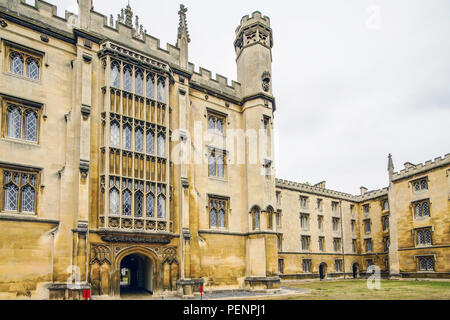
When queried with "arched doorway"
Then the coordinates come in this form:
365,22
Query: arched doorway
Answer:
136,275
355,269
322,270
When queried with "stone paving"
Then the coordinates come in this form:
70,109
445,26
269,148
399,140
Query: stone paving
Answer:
218,295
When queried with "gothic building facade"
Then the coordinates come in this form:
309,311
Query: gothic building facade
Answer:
120,165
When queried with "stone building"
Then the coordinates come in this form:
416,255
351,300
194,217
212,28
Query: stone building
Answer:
122,166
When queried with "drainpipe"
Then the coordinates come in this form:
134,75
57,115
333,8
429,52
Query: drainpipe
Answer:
342,235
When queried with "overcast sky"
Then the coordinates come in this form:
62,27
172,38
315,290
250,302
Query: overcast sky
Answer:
354,79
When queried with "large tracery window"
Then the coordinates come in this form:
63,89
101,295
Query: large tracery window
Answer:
137,194
19,191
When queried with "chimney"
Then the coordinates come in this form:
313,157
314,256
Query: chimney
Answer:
363,190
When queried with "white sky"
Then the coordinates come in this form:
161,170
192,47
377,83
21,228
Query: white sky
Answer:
354,80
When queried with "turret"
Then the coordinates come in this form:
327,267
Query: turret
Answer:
85,7
253,45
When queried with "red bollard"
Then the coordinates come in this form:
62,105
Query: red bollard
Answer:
201,292
87,294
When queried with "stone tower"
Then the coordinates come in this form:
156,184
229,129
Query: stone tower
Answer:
253,47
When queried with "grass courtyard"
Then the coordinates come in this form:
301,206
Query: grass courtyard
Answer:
357,290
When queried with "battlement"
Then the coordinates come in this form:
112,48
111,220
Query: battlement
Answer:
302,187
256,17
218,83
374,194
411,169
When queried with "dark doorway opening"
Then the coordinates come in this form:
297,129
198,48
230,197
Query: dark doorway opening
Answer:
355,270
322,271
136,276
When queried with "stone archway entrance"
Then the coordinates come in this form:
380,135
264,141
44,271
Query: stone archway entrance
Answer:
136,275
322,270
355,269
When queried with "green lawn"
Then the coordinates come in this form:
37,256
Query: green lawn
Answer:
357,290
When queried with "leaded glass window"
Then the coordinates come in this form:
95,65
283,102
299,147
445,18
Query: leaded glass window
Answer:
139,140
115,75
32,69
14,122
424,237
306,265
150,142
19,190
426,263
30,126
422,209
161,90
161,206
127,79
17,63
255,216
127,137
161,145
150,205
28,199
126,203
212,165
114,202
426,209
139,81
115,134
220,169
216,123
213,218
11,197
420,185
138,204
150,87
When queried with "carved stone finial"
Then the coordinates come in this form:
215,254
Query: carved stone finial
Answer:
183,28
111,20
128,16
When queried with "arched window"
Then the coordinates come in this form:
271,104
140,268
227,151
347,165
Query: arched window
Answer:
127,79
14,122
161,90
425,209
11,197
418,210
16,63
161,145
212,164
213,218
270,218
211,124
220,167
115,75
115,135
126,203
28,199
127,137
385,205
32,68
150,88
150,205
30,126
114,202
139,140
161,206
221,217
219,126
139,83
150,142
138,204
256,218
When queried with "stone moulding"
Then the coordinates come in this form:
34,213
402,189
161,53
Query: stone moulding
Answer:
131,239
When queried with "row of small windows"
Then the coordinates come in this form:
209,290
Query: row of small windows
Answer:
24,65
138,139
334,205
122,196
139,81
22,123
19,191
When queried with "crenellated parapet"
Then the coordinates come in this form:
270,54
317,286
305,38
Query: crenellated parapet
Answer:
411,169
253,29
306,188
373,194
